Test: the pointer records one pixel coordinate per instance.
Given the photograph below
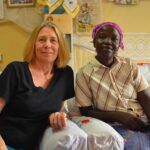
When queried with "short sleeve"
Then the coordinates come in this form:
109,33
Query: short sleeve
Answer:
69,92
82,90
8,82
139,80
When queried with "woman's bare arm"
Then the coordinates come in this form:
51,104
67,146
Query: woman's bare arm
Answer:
2,104
2,143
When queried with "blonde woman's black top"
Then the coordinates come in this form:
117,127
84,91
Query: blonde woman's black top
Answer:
25,115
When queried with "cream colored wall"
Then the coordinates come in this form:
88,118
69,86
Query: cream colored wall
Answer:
132,18
81,57
12,41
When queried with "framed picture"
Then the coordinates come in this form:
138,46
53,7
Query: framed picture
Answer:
88,16
127,2
20,3
1,9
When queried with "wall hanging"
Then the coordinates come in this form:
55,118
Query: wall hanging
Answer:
69,7
88,16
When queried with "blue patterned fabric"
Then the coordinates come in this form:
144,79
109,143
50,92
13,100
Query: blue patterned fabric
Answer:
133,140
10,148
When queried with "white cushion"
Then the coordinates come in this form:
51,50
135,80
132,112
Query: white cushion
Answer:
70,138
101,135
145,70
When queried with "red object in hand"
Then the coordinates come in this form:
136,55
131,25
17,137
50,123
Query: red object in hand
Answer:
85,121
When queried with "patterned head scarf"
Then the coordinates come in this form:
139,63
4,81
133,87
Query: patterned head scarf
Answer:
116,26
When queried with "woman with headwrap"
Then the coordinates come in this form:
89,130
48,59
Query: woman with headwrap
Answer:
111,88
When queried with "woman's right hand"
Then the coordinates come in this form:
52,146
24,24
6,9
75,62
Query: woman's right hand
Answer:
2,144
58,120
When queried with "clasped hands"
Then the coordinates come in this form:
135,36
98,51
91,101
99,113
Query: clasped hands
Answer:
58,120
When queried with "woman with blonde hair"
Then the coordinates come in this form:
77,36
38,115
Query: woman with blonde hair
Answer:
33,92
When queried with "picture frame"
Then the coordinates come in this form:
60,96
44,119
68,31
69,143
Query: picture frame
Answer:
20,3
1,9
127,2
89,15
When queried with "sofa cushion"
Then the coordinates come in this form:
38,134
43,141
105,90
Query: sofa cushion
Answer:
145,70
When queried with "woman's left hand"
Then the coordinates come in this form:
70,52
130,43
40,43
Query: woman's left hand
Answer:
58,120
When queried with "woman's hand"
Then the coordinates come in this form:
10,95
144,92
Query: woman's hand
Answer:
58,120
2,144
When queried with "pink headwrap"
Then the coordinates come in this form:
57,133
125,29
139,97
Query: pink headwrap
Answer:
116,26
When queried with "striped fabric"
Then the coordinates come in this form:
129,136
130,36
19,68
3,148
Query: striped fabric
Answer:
111,89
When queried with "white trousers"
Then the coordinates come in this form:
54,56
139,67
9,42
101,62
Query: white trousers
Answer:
70,138
79,135
101,136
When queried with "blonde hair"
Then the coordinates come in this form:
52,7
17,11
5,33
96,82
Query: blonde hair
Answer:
63,52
